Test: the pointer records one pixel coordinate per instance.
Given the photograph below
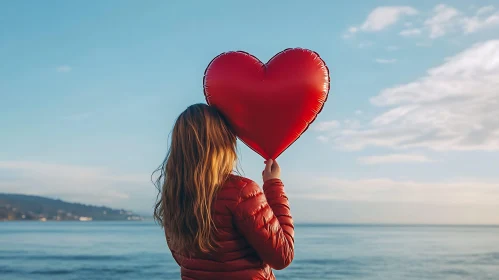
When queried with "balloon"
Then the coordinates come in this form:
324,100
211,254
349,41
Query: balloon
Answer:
270,105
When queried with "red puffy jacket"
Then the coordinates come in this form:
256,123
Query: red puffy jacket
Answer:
255,234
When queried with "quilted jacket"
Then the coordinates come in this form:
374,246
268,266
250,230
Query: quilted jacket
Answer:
255,234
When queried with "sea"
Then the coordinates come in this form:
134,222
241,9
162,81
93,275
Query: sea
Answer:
137,250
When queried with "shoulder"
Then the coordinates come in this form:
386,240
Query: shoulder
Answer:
240,188
250,200
241,183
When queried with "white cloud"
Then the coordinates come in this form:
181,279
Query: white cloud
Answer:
89,185
476,23
456,191
329,126
410,32
443,20
485,10
350,124
322,138
324,126
392,48
385,61
358,112
395,158
454,107
382,17
447,19
64,68
384,200
353,29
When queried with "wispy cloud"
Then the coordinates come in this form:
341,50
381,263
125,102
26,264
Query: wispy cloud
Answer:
485,10
382,17
442,21
454,107
322,138
447,19
465,191
394,158
410,32
64,68
375,200
480,21
385,61
325,126
92,185
457,200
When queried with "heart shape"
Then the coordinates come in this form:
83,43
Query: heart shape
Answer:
270,105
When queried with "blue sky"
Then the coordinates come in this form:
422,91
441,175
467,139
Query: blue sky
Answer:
89,91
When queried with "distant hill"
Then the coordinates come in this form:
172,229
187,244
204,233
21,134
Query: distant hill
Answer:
29,207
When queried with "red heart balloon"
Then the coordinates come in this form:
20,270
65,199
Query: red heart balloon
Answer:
268,105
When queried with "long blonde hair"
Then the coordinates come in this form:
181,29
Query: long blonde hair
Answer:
201,156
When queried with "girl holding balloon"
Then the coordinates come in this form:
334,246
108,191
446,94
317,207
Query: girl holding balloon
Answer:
219,225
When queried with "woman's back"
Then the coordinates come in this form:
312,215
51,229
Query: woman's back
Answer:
254,233
217,225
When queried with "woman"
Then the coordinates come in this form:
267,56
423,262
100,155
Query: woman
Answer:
219,225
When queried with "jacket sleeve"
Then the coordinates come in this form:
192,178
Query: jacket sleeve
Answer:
264,219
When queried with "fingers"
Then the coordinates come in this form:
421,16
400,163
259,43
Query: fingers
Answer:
268,165
275,166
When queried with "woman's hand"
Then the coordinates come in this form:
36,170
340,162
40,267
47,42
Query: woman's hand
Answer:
271,171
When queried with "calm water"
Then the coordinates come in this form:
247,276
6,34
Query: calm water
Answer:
137,250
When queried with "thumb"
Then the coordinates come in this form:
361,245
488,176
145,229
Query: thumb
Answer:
275,165
268,165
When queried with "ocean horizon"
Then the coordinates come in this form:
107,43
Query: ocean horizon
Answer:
137,250
318,224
